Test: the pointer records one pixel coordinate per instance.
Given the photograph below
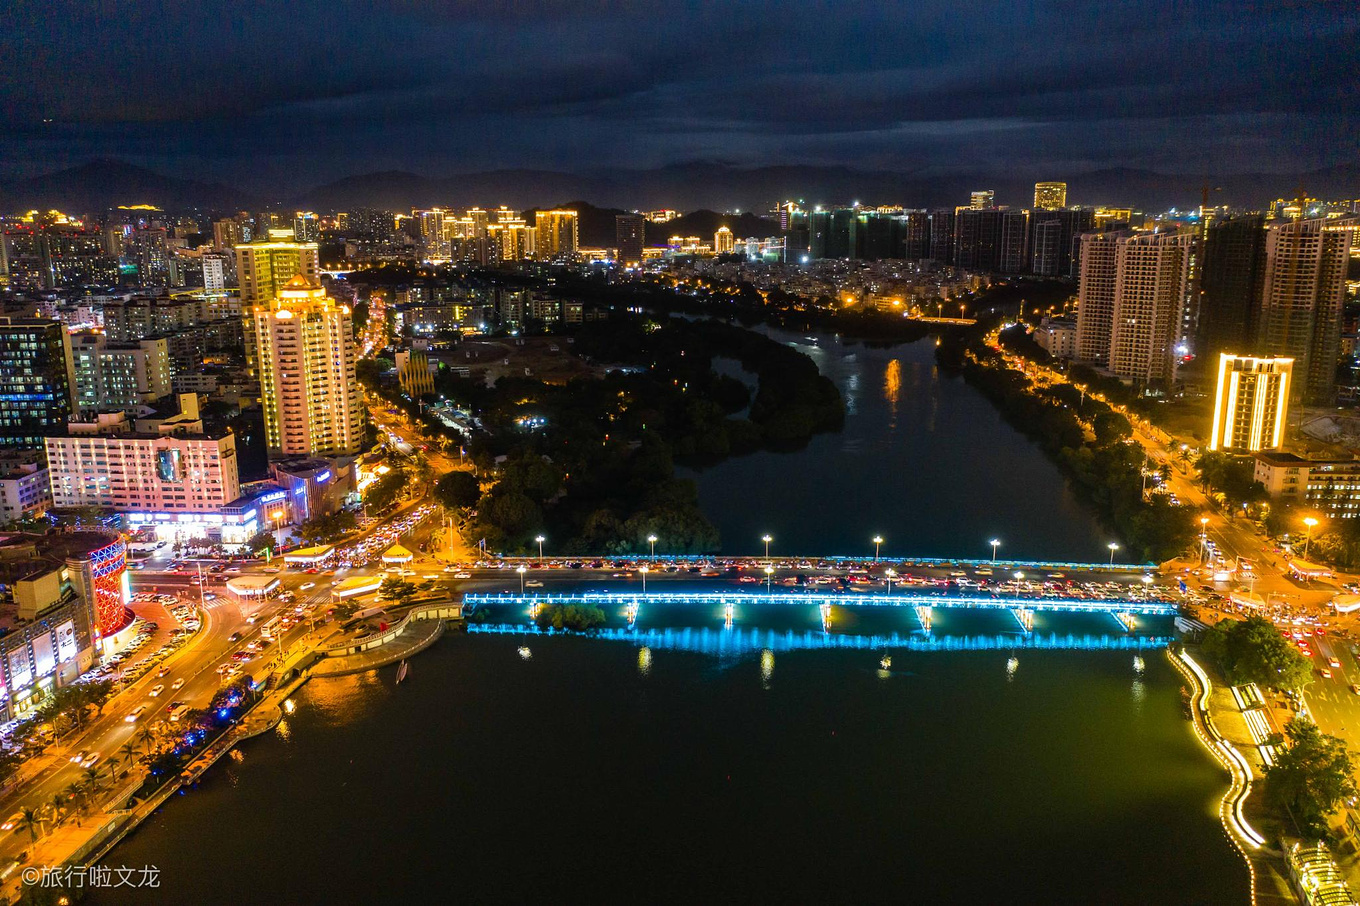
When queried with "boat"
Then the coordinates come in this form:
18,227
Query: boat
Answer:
886,662
402,670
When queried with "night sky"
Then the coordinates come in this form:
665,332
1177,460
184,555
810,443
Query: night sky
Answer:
253,93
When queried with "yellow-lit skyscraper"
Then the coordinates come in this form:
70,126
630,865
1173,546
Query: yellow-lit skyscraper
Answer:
263,268
1250,403
305,350
1050,196
555,234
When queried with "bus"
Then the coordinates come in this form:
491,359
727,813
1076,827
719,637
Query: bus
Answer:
270,631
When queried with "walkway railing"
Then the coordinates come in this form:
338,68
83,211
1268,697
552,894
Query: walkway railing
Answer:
737,598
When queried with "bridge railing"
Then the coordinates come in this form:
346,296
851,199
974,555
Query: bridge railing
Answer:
818,598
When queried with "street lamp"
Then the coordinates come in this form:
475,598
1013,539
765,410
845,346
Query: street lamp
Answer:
540,539
1203,536
521,570
1310,522
769,573
643,571
651,539
878,542
891,574
767,539
277,516
996,542
1113,547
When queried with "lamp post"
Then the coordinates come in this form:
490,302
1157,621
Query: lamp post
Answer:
1203,536
643,571
891,574
767,539
277,516
1113,547
521,569
878,542
540,539
651,539
769,574
1309,522
996,542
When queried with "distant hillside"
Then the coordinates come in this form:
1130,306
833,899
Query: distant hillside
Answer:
705,223
103,184
594,226
700,187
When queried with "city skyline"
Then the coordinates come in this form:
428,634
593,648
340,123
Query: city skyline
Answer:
443,90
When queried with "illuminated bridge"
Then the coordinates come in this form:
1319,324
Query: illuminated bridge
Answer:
737,641
921,604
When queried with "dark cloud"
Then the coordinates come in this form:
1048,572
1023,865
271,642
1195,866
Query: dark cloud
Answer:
262,91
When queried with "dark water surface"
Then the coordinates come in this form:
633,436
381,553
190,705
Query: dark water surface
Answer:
593,771
923,460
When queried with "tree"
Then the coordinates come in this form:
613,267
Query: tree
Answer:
458,490
1253,651
1312,777
260,542
384,492
30,819
398,590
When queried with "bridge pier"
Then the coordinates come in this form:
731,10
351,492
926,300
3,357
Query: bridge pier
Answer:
923,616
1025,617
1125,620
826,616
633,610
728,613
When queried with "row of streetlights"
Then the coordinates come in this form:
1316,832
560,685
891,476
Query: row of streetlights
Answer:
878,543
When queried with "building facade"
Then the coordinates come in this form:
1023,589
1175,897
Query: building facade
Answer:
1331,486
306,355
37,382
112,375
1250,403
1050,196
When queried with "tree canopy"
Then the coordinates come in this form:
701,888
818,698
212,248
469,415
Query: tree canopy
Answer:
1253,651
1312,777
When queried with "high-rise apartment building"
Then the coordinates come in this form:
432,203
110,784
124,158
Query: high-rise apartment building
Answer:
216,268
56,257
113,375
630,232
1053,236
1131,296
942,235
982,198
1013,256
37,382
1050,196
1230,288
1303,288
556,234
1250,403
305,358
306,226
977,239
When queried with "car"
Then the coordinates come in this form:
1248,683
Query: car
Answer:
234,637
156,690
162,672
1355,687
90,761
306,585
79,756
179,712
462,574
135,713
12,821
1326,674
533,583
1333,663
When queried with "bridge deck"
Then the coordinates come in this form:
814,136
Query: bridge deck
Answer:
742,598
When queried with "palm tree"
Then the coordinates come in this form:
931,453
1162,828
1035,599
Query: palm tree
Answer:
30,820
112,764
57,806
146,736
128,750
92,777
76,793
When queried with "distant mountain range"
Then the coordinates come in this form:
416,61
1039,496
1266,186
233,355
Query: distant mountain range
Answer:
103,184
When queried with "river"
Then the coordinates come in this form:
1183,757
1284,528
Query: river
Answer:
531,769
